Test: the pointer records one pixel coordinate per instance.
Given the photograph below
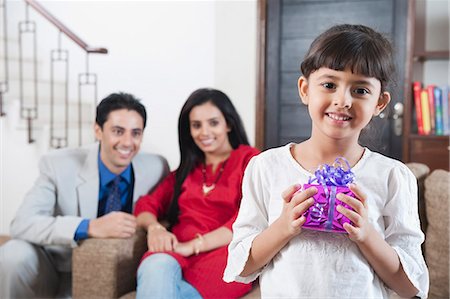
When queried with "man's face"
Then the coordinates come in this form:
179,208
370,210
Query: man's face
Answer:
120,138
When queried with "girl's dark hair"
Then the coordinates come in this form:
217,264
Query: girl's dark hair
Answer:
191,155
357,47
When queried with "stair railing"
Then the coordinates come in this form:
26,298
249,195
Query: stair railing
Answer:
59,57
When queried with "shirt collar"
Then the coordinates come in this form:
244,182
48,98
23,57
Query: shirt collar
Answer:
107,176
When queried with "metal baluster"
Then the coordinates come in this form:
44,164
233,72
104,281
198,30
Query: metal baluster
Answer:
28,111
62,56
5,77
84,80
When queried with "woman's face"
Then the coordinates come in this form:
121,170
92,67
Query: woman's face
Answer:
209,130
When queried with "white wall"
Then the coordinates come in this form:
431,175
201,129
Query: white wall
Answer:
160,51
437,38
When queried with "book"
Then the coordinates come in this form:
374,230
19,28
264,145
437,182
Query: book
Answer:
425,111
417,87
439,126
430,91
445,109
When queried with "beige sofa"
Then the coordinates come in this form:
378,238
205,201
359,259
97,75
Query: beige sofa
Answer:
107,268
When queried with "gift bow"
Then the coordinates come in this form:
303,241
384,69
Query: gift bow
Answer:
333,175
330,175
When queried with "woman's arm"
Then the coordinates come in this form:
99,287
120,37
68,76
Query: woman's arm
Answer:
158,238
203,243
146,219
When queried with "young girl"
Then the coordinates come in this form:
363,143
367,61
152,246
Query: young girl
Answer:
345,74
200,200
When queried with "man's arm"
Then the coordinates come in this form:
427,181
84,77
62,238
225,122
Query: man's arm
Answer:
36,221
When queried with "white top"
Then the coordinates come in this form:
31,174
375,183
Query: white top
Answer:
320,264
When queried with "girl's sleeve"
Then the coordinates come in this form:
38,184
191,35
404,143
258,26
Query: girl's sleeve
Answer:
402,230
250,222
158,201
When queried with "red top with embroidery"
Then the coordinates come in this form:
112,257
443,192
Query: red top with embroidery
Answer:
201,213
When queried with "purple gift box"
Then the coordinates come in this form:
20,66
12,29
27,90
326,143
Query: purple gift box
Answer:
329,181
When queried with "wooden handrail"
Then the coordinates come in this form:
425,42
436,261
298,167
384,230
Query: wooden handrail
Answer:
46,14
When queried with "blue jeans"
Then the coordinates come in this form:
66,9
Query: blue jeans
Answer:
159,276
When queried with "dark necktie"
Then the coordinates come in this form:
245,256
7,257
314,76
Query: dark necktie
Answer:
113,201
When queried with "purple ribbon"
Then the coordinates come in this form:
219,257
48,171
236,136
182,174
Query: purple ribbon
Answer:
329,176
333,175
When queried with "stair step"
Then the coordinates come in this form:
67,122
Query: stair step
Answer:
44,90
14,66
87,115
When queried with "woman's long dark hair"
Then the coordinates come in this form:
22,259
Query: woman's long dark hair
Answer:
190,153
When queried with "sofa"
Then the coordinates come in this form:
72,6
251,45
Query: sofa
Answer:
106,268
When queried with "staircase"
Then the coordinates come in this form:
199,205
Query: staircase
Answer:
44,105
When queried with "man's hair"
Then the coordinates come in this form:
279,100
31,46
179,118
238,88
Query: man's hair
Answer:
117,101
357,47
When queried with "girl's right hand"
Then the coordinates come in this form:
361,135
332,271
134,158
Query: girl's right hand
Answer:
296,202
161,240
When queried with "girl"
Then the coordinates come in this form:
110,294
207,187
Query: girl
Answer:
345,74
200,200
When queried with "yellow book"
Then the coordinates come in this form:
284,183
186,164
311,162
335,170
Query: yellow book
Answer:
425,112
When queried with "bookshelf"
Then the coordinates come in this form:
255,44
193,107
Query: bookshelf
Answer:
431,150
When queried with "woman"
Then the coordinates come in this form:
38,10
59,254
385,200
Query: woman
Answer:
200,200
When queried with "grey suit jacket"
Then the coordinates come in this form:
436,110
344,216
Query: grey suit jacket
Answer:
66,192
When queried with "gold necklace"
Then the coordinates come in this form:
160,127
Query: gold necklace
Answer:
205,188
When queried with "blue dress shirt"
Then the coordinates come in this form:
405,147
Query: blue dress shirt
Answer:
106,176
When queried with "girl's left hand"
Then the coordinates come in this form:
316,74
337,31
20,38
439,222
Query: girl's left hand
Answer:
185,248
361,228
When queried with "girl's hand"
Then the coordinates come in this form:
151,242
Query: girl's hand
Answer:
361,228
185,248
296,202
159,239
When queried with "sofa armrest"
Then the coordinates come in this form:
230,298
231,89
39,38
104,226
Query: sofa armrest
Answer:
421,171
106,268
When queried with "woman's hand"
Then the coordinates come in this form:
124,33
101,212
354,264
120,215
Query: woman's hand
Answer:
361,228
159,239
296,202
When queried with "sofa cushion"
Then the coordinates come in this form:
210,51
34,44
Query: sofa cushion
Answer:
437,198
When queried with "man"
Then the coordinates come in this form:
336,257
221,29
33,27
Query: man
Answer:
81,193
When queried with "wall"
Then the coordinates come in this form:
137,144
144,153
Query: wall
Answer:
160,51
437,38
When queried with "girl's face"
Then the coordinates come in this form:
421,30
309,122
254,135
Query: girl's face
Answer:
341,103
209,130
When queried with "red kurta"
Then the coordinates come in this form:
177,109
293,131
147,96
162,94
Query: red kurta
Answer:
202,214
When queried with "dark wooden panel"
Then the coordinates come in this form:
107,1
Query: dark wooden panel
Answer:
311,18
272,125
376,135
295,25
289,2
288,88
430,150
295,121
293,52
286,140
397,89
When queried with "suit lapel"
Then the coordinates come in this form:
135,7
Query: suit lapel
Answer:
88,185
140,184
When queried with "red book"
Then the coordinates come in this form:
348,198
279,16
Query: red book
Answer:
417,88
430,90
